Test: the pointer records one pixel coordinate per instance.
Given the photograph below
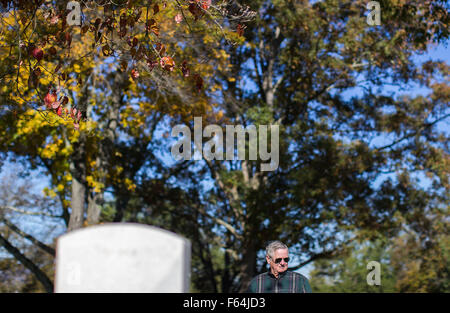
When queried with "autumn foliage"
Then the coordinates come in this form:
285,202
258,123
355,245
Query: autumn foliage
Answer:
43,52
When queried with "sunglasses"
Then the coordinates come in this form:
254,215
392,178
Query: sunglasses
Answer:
279,260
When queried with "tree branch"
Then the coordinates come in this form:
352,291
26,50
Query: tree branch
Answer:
323,255
232,198
28,212
412,134
230,228
38,243
40,275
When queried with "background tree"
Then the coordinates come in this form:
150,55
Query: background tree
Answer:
321,73
409,263
348,273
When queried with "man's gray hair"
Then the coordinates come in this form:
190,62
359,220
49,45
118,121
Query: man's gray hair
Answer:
273,246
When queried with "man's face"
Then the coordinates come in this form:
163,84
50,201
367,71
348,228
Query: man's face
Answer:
282,265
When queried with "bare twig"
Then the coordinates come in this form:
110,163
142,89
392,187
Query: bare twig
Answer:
11,208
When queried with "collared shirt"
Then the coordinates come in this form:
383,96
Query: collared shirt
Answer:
287,282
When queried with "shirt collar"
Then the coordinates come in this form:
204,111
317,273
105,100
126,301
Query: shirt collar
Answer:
280,275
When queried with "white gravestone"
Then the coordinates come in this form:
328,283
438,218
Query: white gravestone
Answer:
122,257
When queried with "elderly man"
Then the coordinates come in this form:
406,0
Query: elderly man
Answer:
278,279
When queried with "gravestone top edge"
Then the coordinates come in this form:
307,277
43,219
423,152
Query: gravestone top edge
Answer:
122,226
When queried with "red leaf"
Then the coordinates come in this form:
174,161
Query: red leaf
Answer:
59,110
37,53
135,42
152,26
240,30
123,65
198,82
68,38
185,69
56,105
178,18
134,73
167,63
49,99
151,64
160,48
84,29
73,113
205,4
52,50
54,20
194,9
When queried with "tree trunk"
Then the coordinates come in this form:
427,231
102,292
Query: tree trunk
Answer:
106,150
121,204
94,208
226,281
248,265
78,169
